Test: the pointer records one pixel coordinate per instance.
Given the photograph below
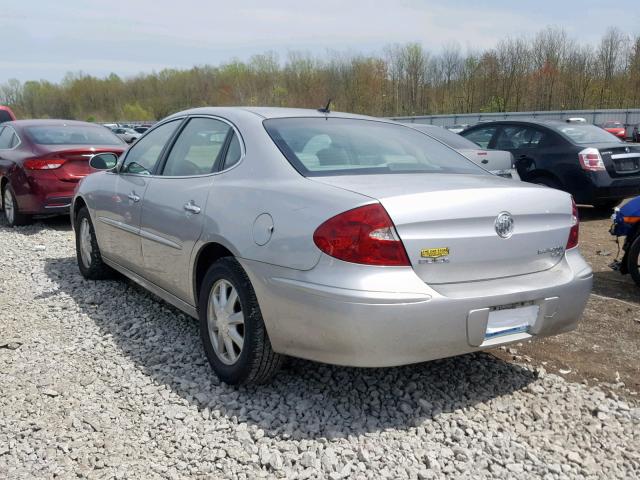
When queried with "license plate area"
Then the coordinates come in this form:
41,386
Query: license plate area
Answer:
627,165
511,319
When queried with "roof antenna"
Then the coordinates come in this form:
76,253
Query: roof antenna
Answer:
326,108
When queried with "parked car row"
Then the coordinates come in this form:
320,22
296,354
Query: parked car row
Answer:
593,165
42,161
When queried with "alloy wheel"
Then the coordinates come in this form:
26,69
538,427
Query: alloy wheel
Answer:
86,249
9,208
225,321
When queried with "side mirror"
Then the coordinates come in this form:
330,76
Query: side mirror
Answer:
104,161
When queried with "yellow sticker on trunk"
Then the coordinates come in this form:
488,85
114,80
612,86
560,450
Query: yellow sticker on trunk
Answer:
434,252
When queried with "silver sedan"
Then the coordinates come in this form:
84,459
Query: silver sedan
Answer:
333,237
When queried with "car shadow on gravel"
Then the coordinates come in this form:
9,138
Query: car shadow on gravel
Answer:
615,285
58,223
306,399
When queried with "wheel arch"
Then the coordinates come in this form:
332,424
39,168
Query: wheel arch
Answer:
206,256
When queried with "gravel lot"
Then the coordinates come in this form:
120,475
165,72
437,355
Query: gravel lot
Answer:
102,380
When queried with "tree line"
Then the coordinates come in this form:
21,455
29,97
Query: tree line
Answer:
547,71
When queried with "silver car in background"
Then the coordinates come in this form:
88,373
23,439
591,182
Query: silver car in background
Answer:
333,237
498,162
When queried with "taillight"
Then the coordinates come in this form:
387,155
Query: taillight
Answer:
591,160
44,163
574,233
363,235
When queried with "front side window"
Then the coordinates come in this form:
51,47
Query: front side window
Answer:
196,150
342,146
481,136
142,158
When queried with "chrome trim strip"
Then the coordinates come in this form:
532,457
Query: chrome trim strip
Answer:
625,155
120,225
153,288
158,239
58,206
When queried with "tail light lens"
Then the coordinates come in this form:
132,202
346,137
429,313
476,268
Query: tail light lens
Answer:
574,233
44,163
591,160
363,235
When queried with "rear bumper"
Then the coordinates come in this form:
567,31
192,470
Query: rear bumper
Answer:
384,316
44,194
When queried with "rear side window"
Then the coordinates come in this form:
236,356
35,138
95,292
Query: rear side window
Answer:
5,138
321,146
142,158
233,152
196,150
515,137
481,136
4,116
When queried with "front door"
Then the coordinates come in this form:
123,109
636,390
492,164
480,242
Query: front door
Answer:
174,203
119,201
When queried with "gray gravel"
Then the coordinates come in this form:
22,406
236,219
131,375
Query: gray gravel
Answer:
102,380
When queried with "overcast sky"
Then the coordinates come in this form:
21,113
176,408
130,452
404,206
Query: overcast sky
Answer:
44,39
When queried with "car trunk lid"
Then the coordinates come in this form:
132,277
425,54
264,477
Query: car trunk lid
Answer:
620,159
447,223
76,165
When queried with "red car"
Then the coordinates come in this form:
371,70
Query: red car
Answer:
616,128
6,115
41,161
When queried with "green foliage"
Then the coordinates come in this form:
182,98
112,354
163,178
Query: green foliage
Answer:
134,111
548,71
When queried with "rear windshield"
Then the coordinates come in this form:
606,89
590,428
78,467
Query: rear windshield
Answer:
72,135
341,146
612,125
4,116
582,134
448,138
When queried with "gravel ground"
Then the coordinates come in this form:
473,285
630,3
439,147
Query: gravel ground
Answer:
102,380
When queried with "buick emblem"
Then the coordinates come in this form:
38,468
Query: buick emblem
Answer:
504,225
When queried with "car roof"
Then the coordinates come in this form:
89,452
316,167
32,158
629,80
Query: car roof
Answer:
273,112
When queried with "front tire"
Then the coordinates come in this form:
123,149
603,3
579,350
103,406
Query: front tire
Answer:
11,208
232,330
633,260
88,254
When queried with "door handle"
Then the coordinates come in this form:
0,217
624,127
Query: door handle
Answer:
133,197
192,207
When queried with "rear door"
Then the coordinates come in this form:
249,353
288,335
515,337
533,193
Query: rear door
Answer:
174,202
118,203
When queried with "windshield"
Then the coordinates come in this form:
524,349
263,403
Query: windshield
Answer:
341,146
72,135
445,136
582,134
612,125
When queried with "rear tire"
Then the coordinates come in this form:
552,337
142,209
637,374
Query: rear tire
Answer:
87,251
633,260
230,316
11,208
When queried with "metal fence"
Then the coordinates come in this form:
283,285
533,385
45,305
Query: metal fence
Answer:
628,117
